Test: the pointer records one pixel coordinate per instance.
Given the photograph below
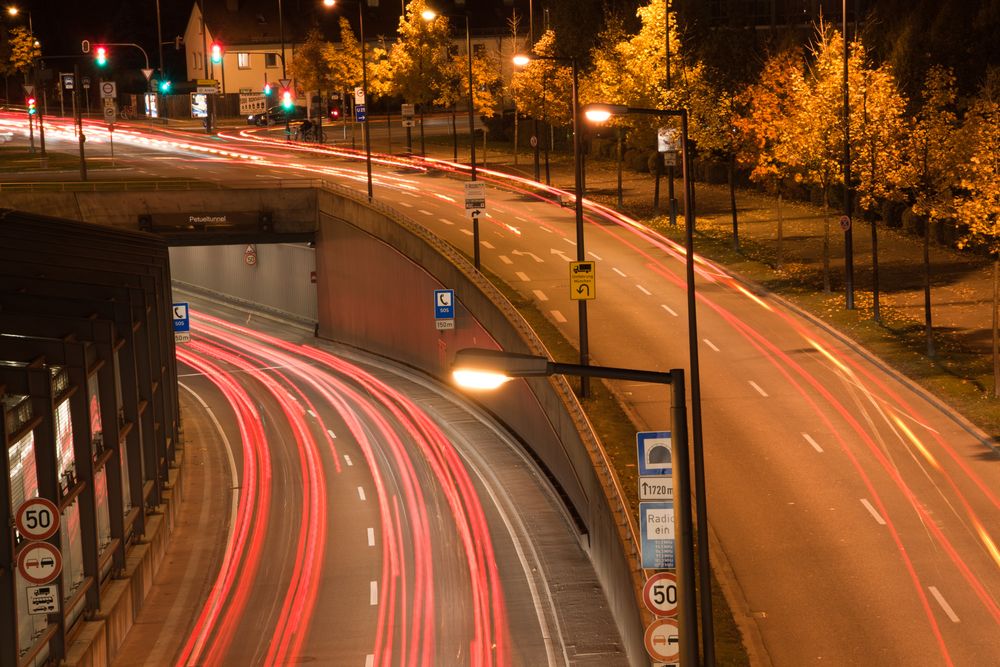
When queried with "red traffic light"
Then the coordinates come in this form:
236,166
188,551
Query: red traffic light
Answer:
216,53
335,113
32,110
101,54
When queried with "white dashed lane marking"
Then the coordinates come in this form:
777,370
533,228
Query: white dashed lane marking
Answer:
425,212
644,290
815,445
595,256
871,510
557,316
522,276
949,612
618,271
668,309
347,460
540,295
445,221
374,593
757,387
506,260
361,493
466,232
710,344
487,245
371,537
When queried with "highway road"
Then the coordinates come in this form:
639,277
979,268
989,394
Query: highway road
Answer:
854,516
373,518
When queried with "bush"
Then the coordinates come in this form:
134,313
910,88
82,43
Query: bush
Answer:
637,160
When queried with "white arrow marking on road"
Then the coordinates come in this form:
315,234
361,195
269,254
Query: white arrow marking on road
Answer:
871,510
528,254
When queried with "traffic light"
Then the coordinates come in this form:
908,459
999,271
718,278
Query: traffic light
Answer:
335,110
165,87
101,54
268,90
32,110
216,53
286,99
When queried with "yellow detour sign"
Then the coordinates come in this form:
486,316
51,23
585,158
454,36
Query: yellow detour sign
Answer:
582,280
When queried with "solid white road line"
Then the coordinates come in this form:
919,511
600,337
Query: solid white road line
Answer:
644,290
347,460
871,510
618,271
815,445
506,260
668,309
371,537
557,316
710,344
944,604
361,493
757,387
540,295
374,593
522,276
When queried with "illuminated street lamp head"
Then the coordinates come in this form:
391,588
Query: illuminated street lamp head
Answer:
428,15
329,3
521,60
13,11
600,113
475,368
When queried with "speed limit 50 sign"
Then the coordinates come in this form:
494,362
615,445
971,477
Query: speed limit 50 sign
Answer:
37,519
660,594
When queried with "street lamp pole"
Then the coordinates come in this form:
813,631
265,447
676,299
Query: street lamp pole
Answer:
581,254
600,113
849,232
488,369
364,89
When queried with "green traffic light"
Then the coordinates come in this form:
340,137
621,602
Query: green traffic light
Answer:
164,86
102,56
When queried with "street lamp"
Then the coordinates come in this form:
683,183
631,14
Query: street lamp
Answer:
482,369
599,113
430,15
14,10
364,87
522,60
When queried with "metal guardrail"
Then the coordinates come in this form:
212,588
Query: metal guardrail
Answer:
159,185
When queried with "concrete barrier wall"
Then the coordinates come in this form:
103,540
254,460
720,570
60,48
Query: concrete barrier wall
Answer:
376,277
279,280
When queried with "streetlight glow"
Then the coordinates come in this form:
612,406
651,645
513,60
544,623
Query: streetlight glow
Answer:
597,115
13,11
521,60
329,3
476,379
428,15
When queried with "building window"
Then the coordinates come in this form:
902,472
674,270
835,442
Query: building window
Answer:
243,60
196,57
270,60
